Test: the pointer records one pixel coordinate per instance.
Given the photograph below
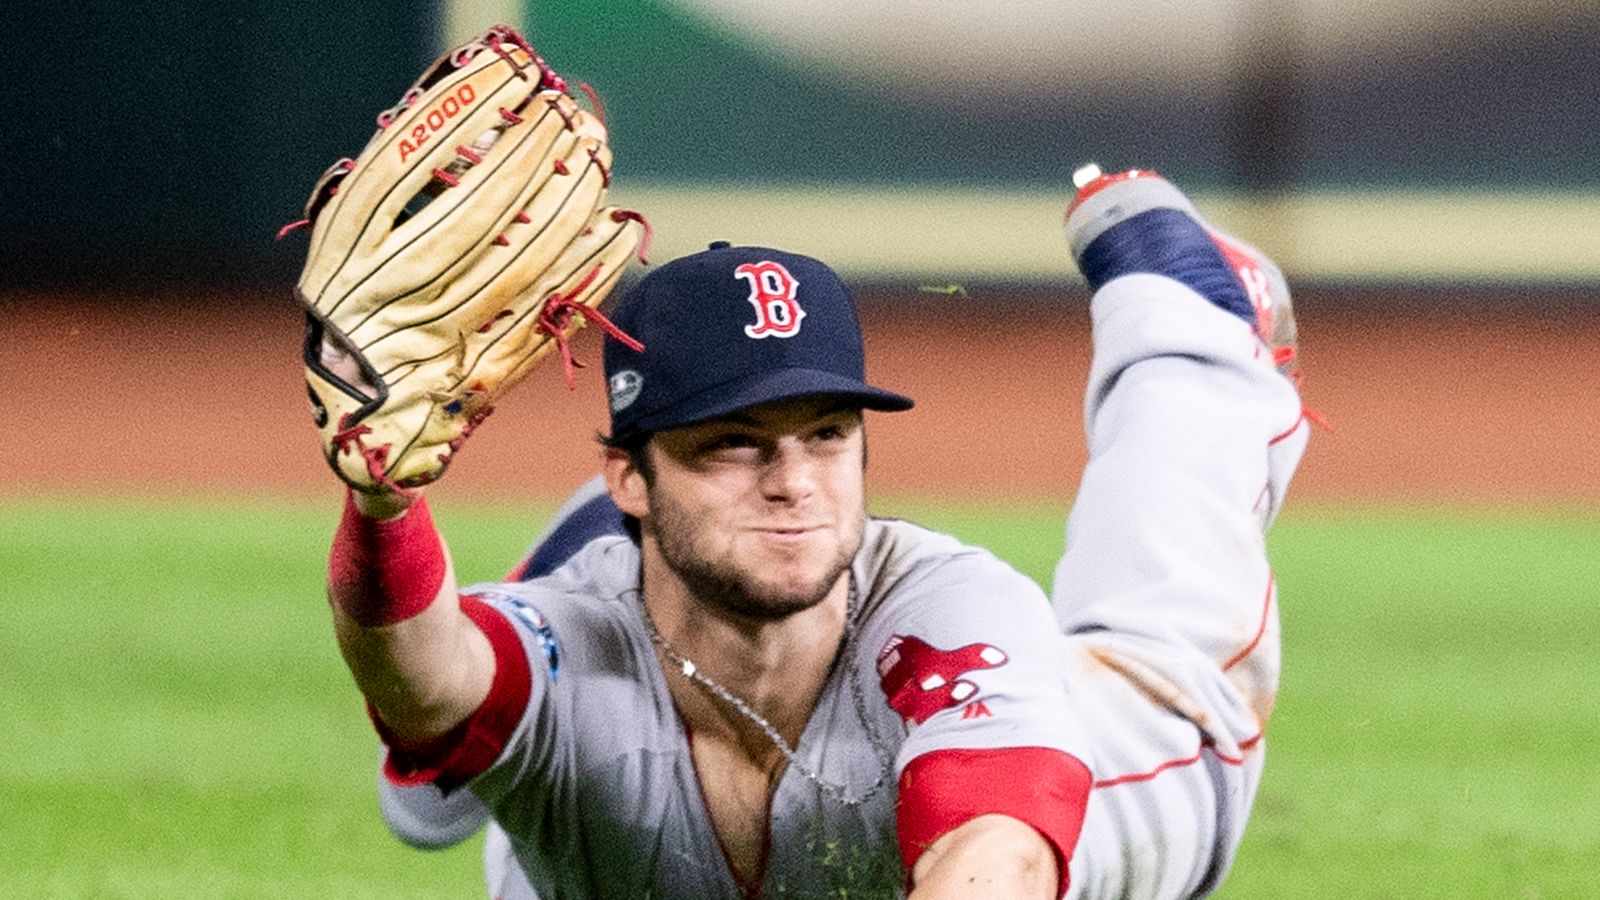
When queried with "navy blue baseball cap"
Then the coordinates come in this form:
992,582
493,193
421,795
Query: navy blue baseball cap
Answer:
729,328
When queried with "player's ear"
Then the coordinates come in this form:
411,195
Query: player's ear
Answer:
626,480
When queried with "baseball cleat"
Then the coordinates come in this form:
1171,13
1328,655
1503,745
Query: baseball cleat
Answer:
1137,221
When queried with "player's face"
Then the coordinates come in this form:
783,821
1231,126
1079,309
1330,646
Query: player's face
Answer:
760,512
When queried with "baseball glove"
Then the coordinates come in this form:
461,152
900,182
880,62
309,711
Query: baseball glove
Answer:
450,256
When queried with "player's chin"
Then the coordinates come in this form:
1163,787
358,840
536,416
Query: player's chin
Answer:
795,589
774,599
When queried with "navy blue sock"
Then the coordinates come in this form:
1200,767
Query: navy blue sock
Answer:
1167,242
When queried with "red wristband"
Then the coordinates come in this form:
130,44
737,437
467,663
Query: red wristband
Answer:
383,572
941,789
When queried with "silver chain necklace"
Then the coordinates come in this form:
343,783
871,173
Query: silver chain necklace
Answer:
836,791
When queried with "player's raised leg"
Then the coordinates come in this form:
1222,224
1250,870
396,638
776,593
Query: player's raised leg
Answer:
1194,429
584,516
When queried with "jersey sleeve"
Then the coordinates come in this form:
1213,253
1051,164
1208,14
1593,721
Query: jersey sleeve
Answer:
968,655
527,660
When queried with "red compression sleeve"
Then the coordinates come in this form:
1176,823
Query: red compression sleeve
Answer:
942,789
383,572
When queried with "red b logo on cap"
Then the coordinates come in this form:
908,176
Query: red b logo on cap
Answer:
772,291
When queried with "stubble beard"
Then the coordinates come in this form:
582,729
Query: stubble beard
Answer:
725,586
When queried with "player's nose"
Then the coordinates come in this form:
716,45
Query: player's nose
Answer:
790,472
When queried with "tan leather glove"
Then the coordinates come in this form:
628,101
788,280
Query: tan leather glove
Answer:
450,256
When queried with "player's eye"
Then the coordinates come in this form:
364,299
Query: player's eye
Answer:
835,430
731,441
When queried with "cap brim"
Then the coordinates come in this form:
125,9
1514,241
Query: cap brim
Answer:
768,387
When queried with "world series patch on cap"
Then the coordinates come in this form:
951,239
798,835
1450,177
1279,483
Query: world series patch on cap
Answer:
732,327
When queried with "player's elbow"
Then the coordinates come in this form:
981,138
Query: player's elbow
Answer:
428,819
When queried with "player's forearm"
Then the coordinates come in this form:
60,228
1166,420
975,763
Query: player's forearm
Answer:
419,661
990,856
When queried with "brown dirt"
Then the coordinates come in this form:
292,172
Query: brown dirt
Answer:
111,397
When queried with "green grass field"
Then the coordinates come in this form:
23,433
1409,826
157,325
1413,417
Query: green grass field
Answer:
180,724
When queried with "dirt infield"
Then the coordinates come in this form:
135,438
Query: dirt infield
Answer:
136,397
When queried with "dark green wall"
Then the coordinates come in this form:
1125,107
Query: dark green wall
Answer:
157,141
1511,104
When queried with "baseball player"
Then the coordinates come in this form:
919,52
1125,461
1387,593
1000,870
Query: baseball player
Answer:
715,677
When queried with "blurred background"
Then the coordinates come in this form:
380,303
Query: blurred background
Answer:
1425,171
1382,141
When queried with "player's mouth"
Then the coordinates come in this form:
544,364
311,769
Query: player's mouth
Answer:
785,533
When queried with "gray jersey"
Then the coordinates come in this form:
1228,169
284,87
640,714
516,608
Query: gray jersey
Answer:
1165,641
597,790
